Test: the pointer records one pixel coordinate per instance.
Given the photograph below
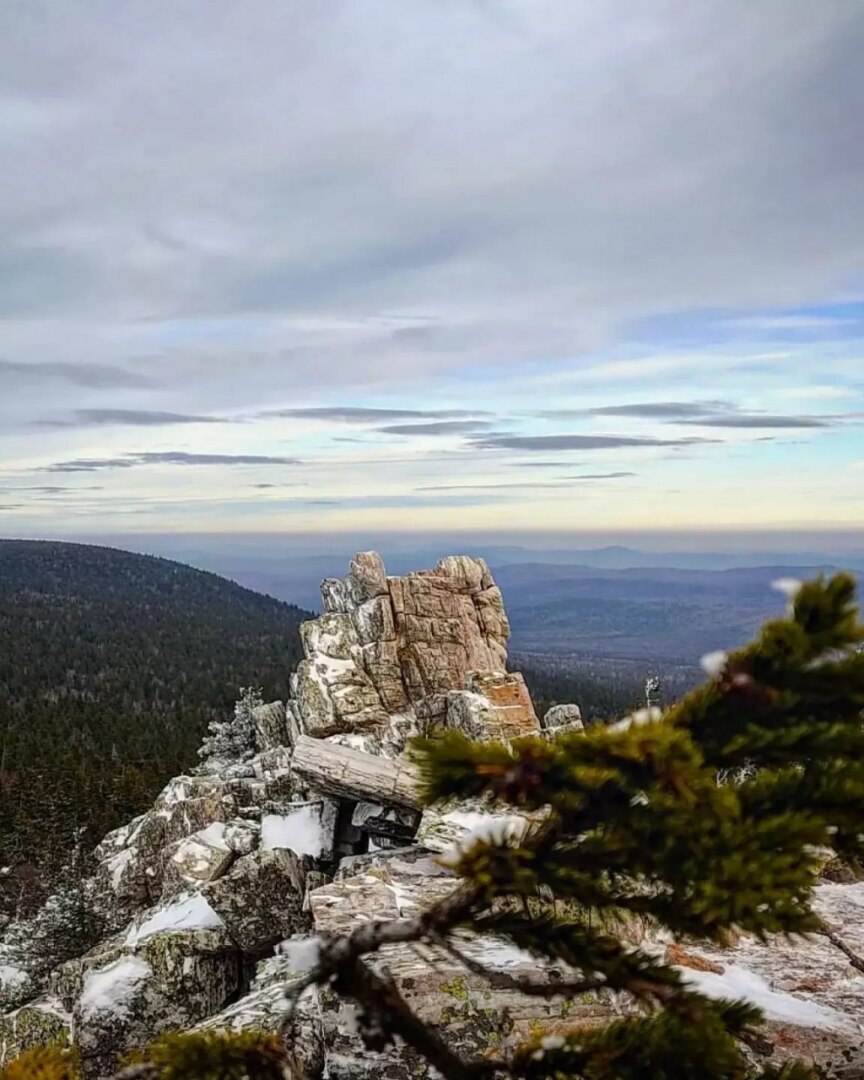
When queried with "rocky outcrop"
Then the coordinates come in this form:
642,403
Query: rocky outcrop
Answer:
396,647
318,827
240,855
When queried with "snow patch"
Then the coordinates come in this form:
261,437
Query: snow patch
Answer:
497,953
214,835
740,982
305,829
12,978
301,954
116,865
113,988
713,663
188,912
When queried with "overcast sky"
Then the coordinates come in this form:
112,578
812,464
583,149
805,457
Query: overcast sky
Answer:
399,264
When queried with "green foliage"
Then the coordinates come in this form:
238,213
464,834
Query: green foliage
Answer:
215,1055
704,818
111,667
44,1063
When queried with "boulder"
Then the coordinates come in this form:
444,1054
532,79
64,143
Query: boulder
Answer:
203,856
271,728
264,1008
260,899
512,711
41,1022
367,577
242,835
414,638
161,983
561,719
354,774
449,827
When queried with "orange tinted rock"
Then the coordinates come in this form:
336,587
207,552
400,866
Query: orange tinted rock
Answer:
675,954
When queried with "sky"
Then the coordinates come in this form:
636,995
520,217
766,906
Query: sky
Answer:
473,264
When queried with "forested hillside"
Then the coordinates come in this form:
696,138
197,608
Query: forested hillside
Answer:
111,666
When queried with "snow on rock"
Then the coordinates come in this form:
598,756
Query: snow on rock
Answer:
12,978
204,855
188,912
113,988
304,828
452,830
738,982
16,984
301,954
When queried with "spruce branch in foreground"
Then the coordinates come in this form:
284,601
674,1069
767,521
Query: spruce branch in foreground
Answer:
634,819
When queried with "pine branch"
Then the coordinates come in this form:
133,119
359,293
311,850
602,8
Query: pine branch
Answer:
854,959
502,980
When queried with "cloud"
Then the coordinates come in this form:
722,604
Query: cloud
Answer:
349,414
508,236
542,464
492,487
759,420
720,414
50,489
791,322
542,220
654,410
562,482
165,457
91,376
813,393
436,427
579,442
128,418
601,476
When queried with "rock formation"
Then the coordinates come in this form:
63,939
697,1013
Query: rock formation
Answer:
319,827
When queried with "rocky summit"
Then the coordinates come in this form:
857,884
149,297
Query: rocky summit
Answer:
199,911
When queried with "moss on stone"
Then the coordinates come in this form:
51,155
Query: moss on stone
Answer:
30,1027
456,989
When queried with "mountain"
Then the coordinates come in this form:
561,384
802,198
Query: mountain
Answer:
655,614
111,666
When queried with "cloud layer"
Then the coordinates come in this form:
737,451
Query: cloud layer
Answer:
406,247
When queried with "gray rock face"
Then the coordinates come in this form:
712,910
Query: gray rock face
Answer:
562,718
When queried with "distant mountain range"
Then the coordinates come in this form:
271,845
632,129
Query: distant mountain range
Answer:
610,603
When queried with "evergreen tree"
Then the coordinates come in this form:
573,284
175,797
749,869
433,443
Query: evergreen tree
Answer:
64,927
633,819
232,740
